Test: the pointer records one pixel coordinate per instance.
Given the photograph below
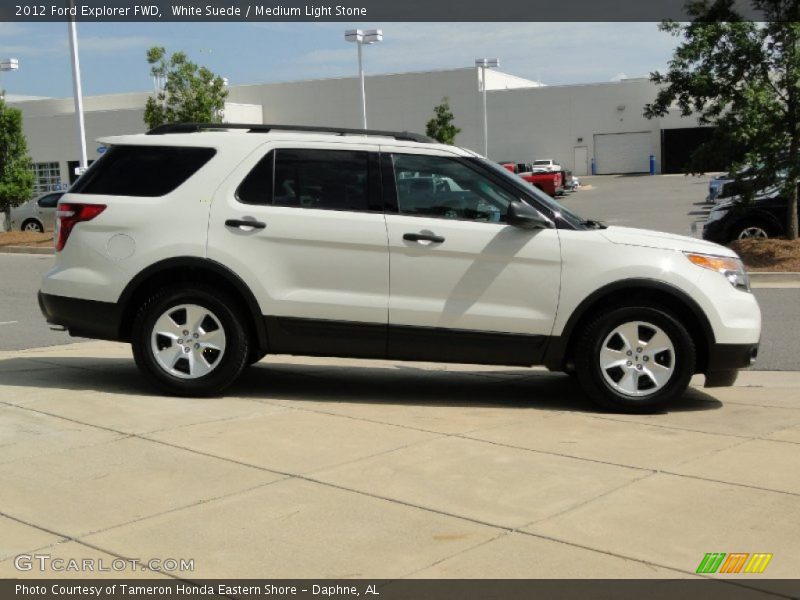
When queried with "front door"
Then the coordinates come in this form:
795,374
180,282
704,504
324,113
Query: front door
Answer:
464,285
581,155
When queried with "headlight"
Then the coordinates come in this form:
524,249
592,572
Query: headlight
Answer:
715,215
730,268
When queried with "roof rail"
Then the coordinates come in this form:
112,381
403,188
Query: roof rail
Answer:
256,128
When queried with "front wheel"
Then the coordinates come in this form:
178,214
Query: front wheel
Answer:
635,359
190,341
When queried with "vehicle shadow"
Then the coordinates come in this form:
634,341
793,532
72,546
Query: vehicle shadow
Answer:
397,384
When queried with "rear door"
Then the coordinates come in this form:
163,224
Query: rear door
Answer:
464,285
303,225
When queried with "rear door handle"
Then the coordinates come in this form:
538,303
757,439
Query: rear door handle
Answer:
423,237
240,223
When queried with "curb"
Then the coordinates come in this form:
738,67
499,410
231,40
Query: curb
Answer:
774,278
26,250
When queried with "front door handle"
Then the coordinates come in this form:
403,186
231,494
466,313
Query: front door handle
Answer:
423,237
240,223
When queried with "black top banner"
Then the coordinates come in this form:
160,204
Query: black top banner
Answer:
354,10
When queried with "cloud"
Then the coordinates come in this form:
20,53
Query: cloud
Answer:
555,53
326,56
116,43
9,29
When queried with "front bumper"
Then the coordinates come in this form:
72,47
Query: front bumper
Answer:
725,360
82,318
723,357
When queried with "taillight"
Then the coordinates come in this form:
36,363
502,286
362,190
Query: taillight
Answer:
70,214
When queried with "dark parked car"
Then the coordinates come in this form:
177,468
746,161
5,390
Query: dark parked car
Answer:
763,217
715,187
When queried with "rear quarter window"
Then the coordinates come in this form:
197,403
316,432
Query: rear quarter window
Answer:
148,171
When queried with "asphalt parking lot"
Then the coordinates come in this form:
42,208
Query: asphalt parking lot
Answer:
668,203
331,468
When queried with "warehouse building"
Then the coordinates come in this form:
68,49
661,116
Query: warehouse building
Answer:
576,125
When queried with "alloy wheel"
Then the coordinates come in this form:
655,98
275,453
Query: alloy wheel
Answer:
637,359
188,341
753,232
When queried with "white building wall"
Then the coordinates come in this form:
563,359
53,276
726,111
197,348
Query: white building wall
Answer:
52,136
497,80
401,102
549,122
525,121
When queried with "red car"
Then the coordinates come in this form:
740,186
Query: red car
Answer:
550,182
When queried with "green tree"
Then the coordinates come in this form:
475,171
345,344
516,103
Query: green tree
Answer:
16,175
743,78
441,126
185,92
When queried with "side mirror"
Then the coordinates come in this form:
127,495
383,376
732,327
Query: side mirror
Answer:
525,217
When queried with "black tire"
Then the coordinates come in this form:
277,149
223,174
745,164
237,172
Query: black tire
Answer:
255,356
596,381
38,226
225,365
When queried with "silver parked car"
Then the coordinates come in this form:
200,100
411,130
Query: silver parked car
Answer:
38,214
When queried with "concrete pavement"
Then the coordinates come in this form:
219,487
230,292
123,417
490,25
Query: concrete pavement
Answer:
330,468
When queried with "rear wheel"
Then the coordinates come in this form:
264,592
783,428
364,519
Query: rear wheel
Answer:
190,341
635,359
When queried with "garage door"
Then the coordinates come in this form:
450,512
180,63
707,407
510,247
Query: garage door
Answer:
622,152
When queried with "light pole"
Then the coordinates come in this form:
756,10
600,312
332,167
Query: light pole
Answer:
483,64
361,37
77,92
8,64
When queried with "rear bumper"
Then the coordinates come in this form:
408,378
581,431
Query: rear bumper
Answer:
82,318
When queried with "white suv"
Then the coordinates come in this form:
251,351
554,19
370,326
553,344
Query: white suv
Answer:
545,164
208,246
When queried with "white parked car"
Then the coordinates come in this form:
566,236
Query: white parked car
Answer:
207,248
546,164
38,214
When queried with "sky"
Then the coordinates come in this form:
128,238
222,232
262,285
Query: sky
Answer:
113,54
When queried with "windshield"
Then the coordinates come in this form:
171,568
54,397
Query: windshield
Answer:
519,183
541,162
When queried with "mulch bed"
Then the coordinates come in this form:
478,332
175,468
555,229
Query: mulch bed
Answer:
769,255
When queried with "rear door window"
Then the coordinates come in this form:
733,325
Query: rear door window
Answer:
148,171
314,178
326,179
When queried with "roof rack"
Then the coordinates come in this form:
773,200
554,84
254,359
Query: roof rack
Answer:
254,128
